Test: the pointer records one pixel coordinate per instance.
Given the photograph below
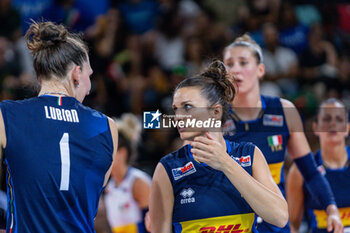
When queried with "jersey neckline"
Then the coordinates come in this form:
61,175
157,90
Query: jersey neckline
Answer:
261,113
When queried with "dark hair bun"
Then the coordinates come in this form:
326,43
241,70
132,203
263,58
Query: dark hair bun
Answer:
44,35
217,72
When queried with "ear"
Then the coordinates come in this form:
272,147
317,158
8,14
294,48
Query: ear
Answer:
315,128
218,111
39,80
76,75
261,70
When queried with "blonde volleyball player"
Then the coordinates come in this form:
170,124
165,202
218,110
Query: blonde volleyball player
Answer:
127,193
274,125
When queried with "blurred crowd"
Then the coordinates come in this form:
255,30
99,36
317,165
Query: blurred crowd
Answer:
141,49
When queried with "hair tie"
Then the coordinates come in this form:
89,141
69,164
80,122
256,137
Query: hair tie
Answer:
248,44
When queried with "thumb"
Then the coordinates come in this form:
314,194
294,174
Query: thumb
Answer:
209,136
329,225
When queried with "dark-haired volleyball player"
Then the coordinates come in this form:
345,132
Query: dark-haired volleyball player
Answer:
332,127
212,185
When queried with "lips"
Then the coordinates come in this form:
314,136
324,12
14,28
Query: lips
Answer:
332,132
237,80
239,83
180,129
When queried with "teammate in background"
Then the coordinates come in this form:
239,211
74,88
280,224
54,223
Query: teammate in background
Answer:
58,152
212,184
127,193
273,125
332,127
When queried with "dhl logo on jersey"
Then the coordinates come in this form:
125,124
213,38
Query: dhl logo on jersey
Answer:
227,224
224,229
321,217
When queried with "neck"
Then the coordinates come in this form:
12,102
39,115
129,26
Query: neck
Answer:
217,136
55,87
334,156
250,99
247,105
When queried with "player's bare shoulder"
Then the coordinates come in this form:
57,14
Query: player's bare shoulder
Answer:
2,131
114,132
292,116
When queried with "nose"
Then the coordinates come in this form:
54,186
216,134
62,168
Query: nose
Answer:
332,125
233,69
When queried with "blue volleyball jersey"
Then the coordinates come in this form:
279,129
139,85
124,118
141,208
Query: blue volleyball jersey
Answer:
57,154
269,132
339,180
204,198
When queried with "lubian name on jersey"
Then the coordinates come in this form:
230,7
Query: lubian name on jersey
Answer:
60,114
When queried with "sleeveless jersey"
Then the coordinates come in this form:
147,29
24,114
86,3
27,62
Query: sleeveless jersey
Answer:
269,132
204,198
57,154
339,180
123,212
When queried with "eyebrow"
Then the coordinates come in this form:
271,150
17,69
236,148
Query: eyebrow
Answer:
186,102
182,103
238,58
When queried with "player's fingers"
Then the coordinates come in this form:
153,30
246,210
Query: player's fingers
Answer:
202,139
330,223
199,145
209,136
338,228
200,159
199,152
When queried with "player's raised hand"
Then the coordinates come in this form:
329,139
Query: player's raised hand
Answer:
207,149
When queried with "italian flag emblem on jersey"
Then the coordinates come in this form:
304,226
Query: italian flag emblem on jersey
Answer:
275,142
59,101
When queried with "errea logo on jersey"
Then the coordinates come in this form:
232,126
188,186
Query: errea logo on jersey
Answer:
187,196
183,171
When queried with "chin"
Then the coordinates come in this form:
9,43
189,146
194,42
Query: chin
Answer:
189,135
335,140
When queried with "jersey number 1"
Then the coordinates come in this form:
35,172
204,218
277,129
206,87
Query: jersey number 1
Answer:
65,162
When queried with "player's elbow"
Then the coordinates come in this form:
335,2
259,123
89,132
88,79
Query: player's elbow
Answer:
282,220
282,217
